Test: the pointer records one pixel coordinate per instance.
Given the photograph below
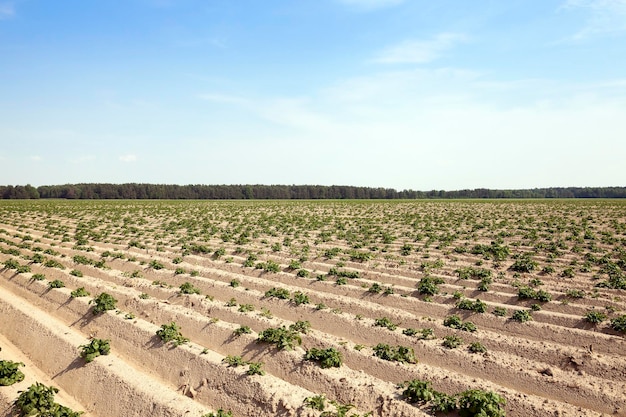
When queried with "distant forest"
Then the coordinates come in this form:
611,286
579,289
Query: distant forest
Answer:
284,192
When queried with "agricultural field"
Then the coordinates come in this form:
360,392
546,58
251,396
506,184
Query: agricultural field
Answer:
313,308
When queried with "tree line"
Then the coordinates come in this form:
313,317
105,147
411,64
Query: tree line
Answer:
133,191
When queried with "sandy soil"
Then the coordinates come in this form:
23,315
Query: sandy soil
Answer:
556,364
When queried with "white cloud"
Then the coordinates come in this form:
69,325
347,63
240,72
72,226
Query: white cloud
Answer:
128,158
392,86
7,11
420,51
224,98
36,158
606,17
371,4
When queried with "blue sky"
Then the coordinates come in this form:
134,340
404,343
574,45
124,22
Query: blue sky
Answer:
408,94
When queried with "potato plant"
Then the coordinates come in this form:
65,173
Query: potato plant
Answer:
95,348
38,400
103,302
327,358
10,372
281,337
171,333
398,353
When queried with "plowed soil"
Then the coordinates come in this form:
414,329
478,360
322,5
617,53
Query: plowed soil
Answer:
361,273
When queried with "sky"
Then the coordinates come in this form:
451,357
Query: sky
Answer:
404,94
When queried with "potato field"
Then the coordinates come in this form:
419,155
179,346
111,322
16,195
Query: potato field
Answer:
313,308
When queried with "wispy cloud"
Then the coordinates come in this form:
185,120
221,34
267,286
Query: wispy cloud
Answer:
128,158
7,10
290,112
223,98
36,158
420,51
606,17
371,4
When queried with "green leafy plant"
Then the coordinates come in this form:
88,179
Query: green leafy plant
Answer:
452,341
341,281
11,263
220,413
188,288
300,298
38,277
409,331
22,269
234,361
103,302
38,400
242,330
280,293
429,285
281,337
619,324
385,322
270,266
443,403
56,284
341,410
154,264
79,292
398,353
473,272
522,316
51,263
171,333
301,326
499,311
316,402
524,263
95,348
327,358
479,403
10,372
303,273
476,306
529,293
245,308
595,317
417,391
573,293
455,322
477,347
82,260
255,368
249,262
